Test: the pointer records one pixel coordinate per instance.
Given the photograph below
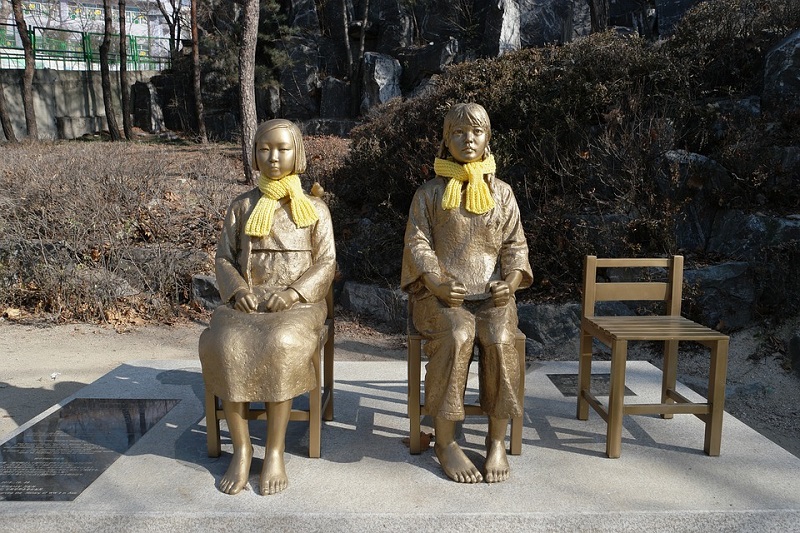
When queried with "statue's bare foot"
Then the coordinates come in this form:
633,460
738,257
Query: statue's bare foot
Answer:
273,474
496,466
456,464
235,477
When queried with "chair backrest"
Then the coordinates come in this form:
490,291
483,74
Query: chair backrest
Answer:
668,291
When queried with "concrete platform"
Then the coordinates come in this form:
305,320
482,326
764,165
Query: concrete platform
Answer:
367,481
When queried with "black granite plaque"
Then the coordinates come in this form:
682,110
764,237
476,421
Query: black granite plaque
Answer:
61,455
568,384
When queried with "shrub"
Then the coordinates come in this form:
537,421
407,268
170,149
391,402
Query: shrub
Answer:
573,129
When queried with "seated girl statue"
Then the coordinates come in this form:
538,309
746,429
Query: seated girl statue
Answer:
465,255
275,262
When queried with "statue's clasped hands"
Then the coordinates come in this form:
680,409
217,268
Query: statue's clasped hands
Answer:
246,301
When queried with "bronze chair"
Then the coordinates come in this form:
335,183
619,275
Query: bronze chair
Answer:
320,399
415,403
616,331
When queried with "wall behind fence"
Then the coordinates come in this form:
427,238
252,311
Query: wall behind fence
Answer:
68,104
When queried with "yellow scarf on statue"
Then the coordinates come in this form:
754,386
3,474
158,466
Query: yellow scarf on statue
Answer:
303,212
479,196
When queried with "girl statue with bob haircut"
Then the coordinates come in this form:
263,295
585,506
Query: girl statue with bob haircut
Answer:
465,255
275,262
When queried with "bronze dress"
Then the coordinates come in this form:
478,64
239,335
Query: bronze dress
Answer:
266,356
474,249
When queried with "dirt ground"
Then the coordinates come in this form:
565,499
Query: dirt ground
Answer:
43,364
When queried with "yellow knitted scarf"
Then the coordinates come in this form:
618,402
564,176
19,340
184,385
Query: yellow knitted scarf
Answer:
303,212
479,196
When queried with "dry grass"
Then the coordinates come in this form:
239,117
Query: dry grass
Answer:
109,231
114,232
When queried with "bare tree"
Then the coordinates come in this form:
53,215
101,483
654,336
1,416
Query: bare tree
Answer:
125,90
8,128
358,75
30,67
247,89
5,119
348,52
198,94
105,74
171,11
598,9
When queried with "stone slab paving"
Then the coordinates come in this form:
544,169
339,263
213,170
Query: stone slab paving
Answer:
367,481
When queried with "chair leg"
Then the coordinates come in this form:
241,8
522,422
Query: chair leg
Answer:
616,398
584,374
315,416
669,375
716,396
212,426
516,422
328,374
414,375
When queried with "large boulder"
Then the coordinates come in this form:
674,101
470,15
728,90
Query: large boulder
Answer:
394,23
502,31
302,15
552,21
725,294
549,327
388,306
744,236
147,109
782,76
686,175
381,80
335,100
300,82
422,62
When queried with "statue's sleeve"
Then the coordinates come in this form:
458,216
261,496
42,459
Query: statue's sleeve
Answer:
514,250
228,270
313,285
418,255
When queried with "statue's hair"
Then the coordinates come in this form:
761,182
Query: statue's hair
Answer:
468,113
297,137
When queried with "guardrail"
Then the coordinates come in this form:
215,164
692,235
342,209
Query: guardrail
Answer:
76,50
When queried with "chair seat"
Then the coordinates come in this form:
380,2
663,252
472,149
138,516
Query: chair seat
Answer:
650,328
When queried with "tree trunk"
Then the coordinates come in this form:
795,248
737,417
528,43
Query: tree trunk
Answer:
198,94
598,9
348,52
105,74
125,90
8,128
30,67
247,90
358,78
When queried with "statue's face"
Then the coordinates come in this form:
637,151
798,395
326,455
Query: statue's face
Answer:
467,142
275,153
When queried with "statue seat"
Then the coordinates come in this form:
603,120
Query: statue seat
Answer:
616,331
416,403
320,399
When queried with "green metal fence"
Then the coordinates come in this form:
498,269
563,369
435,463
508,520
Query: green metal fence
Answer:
75,50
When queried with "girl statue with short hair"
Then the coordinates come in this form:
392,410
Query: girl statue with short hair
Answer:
465,255
275,262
